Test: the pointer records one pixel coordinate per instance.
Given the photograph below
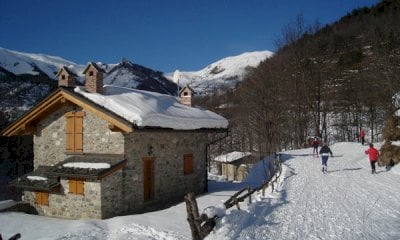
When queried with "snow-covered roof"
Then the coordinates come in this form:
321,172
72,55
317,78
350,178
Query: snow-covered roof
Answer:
232,156
87,165
149,109
37,178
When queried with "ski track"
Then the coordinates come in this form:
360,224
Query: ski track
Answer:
348,202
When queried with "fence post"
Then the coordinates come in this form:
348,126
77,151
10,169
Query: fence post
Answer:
248,191
193,214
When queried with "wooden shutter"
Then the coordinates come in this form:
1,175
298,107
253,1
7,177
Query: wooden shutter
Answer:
80,187
74,131
45,199
70,133
187,164
72,186
42,198
76,186
78,133
38,198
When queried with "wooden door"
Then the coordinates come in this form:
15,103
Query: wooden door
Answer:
148,178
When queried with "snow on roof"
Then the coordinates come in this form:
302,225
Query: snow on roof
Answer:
87,165
149,109
231,157
37,178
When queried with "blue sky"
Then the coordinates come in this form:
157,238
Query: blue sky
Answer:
164,35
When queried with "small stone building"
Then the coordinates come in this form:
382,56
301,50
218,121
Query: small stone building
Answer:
235,165
102,151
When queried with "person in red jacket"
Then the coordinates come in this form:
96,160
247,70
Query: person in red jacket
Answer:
315,144
362,136
373,154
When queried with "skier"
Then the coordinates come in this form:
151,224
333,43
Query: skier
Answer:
373,154
325,151
315,144
362,135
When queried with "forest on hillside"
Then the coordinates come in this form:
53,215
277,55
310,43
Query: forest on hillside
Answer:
327,81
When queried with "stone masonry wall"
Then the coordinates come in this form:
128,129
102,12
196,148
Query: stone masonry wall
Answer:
168,148
102,198
50,138
112,195
98,138
67,205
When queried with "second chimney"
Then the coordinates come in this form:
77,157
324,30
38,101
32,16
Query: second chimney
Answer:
93,78
186,96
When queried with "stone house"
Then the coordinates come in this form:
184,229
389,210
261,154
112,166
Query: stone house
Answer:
235,165
102,151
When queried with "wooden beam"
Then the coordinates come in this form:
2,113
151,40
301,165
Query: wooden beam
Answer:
40,109
27,130
114,128
113,170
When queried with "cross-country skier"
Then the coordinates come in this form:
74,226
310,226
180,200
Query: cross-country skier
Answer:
373,154
315,144
362,135
325,151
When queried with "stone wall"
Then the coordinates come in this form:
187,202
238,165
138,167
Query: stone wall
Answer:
102,198
168,148
50,138
67,205
112,195
98,138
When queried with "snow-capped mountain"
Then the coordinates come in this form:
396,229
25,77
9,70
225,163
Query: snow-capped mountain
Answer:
128,74
223,74
124,74
30,63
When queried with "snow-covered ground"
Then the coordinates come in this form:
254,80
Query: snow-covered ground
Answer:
346,203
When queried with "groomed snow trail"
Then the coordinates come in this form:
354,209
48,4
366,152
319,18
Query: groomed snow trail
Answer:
348,202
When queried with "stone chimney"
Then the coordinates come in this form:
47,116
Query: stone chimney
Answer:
186,96
66,78
93,78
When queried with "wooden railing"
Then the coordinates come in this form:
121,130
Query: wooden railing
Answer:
201,225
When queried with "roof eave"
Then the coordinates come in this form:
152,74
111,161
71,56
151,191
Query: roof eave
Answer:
24,126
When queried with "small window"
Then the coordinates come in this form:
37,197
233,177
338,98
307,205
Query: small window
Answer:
42,198
76,186
187,164
63,77
185,94
91,73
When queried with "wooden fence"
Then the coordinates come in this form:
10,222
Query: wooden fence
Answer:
201,225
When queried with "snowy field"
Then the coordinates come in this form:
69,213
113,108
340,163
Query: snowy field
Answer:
346,203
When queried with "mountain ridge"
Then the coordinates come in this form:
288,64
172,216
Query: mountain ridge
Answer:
222,74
